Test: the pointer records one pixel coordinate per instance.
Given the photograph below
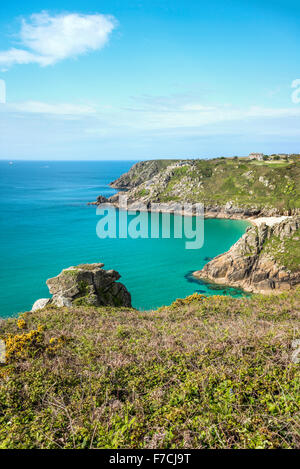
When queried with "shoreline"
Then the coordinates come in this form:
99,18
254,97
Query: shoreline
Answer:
261,219
253,220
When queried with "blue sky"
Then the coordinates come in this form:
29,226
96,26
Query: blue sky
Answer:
143,79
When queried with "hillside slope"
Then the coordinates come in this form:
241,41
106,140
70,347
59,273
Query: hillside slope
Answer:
227,186
204,372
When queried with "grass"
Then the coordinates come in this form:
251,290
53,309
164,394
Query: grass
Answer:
243,182
286,252
278,164
143,193
202,373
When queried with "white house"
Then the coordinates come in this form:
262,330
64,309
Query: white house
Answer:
256,156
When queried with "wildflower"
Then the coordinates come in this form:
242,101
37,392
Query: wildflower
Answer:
21,324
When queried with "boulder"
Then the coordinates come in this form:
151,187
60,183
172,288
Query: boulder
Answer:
88,284
40,304
102,200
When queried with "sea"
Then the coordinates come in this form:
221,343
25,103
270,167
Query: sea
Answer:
46,226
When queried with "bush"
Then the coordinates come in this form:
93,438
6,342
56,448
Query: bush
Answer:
202,373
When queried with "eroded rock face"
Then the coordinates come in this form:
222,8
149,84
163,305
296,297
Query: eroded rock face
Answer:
250,263
88,284
139,173
190,181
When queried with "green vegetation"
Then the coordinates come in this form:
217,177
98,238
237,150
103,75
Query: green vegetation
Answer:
286,252
246,183
202,373
143,193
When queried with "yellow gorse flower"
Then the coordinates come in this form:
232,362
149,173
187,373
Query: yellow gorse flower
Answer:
20,345
21,324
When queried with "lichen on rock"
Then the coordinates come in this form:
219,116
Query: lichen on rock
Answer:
88,284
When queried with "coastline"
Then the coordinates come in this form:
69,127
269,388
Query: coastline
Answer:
229,191
262,260
253,220
283,280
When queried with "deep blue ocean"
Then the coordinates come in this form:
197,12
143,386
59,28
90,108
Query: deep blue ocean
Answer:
46,225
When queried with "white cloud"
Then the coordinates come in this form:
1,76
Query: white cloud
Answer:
257,111
48,39
198,107
39,128
104,120
192,114
49,109
12,56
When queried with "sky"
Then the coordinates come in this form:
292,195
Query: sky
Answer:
143,79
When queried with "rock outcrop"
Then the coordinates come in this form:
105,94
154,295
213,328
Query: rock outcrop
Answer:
139,173
87,284
101,199
40,304
262,260
227,188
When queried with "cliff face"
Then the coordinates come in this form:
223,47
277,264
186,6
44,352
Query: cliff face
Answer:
227,188
265,258
139,173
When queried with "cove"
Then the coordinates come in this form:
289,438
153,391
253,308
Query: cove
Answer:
46,226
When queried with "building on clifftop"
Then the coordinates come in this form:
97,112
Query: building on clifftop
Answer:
256,156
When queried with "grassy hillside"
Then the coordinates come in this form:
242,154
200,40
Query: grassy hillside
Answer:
286,251
273,184
202,373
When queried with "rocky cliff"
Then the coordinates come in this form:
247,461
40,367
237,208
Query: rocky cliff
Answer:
139,173
86,284
228,188
265,258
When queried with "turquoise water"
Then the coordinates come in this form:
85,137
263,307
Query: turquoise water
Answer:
47,226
